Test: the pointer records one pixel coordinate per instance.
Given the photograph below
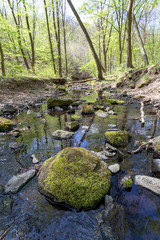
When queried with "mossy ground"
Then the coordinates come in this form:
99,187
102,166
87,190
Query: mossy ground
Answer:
117,138
5,124
74,178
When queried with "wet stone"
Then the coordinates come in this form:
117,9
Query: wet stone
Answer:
115,168
18,181
61,134
16,146
73,125
151,183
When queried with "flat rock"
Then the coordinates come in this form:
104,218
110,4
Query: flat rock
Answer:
151,183
18,181
114,168
102,114
61,134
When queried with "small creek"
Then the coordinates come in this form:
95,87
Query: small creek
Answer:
31,216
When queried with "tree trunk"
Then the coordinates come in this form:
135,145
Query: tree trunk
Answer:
98,63
30,37
49,37
2,61
140,41
59,39
19,36
64,36
129,34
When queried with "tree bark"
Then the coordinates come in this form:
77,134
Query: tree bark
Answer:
2,60
140,41
129,34
98,63
30,37
19,36
64,36
49,37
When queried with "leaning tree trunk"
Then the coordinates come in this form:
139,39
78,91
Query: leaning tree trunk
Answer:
2,61
98,63
140,42
129,33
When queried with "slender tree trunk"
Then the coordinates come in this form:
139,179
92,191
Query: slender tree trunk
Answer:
59,39
98,63
19,36
2,61
64,36
129,34
140,41
30,37
49,37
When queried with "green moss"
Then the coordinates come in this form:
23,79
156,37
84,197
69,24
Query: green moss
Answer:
117,138
57,102
110,101
145,82
75,118
119,102
5,124
76,177
128,183
61,88
87,109
73,125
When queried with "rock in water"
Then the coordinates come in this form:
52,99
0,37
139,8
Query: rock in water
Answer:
87,109
61,134
151,183
117,138
18,181
114,168
75,177
5,124
57,102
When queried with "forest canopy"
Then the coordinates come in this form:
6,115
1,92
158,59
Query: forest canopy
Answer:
46,38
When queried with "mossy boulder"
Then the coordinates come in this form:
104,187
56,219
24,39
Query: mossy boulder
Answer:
61,88
87,109
73,125
117,138
5,124
57,102
75,118
75,177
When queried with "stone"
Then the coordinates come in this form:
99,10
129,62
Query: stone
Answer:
151,183
145,82
112,125
75,177
114,168
58,109
16,146
61,88
73,125
156,145
155,167
75,118
5,124
9,109
126,182
61,134
87,109
18,181
110,148
58,102
102,114
35,158
117,138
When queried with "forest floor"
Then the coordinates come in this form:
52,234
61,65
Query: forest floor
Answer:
30,90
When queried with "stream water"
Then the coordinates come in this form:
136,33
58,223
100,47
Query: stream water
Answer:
31,216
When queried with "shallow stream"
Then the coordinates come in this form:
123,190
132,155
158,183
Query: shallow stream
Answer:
28,215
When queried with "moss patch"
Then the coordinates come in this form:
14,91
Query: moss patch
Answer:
76,177
5,124
117,138
145,82
128,183
54,102
75,118
87,109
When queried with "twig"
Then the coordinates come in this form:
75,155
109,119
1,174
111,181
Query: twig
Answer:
2,236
